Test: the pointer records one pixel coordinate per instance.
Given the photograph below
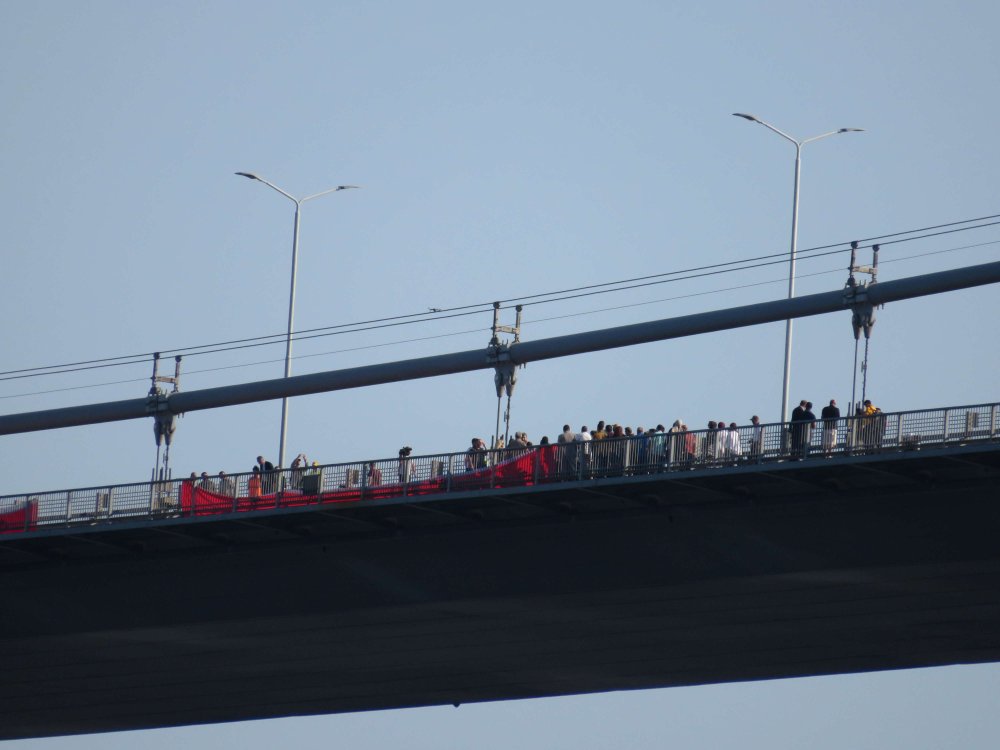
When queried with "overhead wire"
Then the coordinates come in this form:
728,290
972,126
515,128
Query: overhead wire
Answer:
530,322
466,310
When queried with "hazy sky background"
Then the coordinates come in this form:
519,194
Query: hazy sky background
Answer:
503,151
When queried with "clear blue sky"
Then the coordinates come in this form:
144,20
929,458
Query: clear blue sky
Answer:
506,151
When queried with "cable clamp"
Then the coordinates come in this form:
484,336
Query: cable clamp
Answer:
862,310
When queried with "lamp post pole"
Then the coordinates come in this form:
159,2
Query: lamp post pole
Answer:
795,238
291,294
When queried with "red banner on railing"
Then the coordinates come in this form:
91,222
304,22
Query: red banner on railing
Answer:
22,518
519,471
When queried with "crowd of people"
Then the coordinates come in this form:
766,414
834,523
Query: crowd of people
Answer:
609,446
721,442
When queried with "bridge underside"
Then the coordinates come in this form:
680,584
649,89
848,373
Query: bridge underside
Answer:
844,565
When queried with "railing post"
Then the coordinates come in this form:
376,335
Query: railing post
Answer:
993,421
538,459
944,436
899,431
68,496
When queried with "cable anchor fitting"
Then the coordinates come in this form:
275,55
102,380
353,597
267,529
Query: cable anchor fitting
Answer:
856,295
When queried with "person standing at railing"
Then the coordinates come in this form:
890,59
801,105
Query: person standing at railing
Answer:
756,438
830,416
722,442
405,465
267,475
227,486
675,443
298,470
255,483
873,425
659,448
206,482
623,449
709,446
798,429
598,450
188,485
855,432
475,456
567,451
641,444
583,440
810,425
690,445
545,461
374,476
735,447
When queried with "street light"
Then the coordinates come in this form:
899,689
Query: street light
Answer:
795,231
291,295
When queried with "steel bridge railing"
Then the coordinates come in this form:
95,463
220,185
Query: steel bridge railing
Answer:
650,453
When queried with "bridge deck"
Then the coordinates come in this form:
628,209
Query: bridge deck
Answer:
844,565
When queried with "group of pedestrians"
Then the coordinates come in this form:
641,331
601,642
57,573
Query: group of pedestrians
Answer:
221,483
264,479
865,431
804,422
610,448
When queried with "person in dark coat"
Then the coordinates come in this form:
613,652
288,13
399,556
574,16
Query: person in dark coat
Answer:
830,415
809,422
267,476
797,428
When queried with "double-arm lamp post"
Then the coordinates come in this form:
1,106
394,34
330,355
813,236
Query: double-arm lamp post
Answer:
291,295
795,230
